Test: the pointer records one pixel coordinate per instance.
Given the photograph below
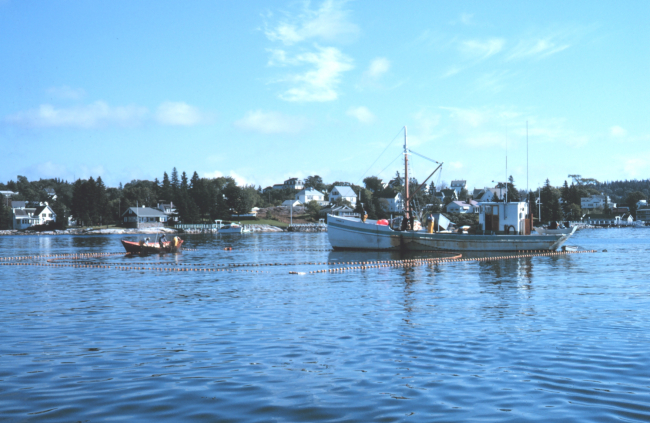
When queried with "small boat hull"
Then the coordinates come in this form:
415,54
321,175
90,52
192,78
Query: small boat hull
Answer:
559,231
351,233
131,247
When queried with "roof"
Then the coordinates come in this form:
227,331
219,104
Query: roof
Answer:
38,210
459,182
344,191
310,191
18,204
145,212
49,190
20,213
463,203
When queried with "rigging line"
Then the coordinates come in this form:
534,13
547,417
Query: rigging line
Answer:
424,157
373,163
398,156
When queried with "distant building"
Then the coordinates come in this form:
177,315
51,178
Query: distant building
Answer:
51,194
143,217
463,207
343,210
290,203
291,183
24,216
458,186
310,194
643,214
597,202
343,193
394,204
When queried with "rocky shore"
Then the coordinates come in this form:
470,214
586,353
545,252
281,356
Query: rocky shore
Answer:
130,231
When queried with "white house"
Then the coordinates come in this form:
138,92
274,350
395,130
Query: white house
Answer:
344,193
393,204
643,214
462,207
291,183
503,218
596,202
51,194
641,204
487,195
310,194
24,217
458,186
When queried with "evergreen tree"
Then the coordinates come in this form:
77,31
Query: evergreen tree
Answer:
175,182
166,189
6,220
513,193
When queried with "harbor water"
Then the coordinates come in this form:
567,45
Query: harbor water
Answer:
562,338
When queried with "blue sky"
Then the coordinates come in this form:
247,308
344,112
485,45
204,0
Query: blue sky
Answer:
266,90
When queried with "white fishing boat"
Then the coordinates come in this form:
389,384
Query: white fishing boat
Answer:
504,226
231,228
556,231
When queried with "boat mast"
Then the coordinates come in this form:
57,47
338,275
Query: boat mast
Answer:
406,175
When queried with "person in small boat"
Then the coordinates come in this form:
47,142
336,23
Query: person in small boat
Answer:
162,241
553,225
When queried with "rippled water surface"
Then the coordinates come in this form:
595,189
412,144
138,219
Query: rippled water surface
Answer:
526,339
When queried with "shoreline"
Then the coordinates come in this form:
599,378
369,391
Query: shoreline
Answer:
129,231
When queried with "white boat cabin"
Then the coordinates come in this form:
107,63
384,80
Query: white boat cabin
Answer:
504,218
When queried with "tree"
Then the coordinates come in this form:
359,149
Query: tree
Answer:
315,182
374,184
166,189
513,193
313,209
5,216
633,198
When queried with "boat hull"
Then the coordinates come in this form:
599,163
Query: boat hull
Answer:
351,233
132,247
563,231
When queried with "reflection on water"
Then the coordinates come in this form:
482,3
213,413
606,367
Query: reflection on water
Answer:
523,339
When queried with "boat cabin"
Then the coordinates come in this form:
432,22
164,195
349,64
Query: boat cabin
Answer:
504,218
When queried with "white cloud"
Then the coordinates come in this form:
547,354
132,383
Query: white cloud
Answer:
66,93
270,123
617,131
378,67
466,18
90,116
328,23
469,117
538,48
319,83
179,114
482,49
362,114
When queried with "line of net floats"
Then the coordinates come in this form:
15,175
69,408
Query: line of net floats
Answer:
77,260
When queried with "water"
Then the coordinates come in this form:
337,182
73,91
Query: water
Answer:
530,339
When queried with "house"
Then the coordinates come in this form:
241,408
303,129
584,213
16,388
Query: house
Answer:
310,194
462,207
458,186
24,217
143,217
449,193
597,202
487,195
23,220
641,204
335,210
291,183
440,196
621,210
643,214
51,194
392,204
167,208
344,193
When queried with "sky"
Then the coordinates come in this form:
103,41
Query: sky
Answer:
267,90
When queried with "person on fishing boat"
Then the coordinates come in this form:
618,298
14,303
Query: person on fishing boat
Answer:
162,241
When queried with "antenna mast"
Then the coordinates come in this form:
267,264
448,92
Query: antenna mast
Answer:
406,174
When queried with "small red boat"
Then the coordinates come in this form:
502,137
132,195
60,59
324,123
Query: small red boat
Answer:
145,247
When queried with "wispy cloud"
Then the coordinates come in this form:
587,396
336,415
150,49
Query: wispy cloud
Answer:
362,114
482,49
321,68
99,115
617,131
319,83
271,123
89,116
538,48
378,67
179,114
330,22
67,93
